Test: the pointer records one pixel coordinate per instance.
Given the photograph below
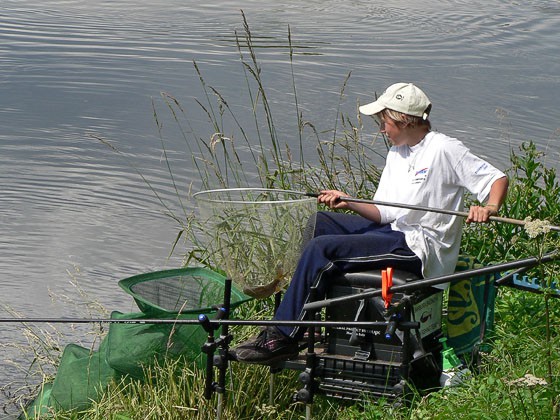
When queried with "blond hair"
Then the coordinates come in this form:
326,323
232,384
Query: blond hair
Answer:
404,119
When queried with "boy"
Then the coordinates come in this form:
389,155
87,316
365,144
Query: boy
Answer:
423,168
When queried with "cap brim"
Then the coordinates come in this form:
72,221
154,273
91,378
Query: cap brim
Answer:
372,108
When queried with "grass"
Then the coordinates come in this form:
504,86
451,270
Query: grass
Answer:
517,380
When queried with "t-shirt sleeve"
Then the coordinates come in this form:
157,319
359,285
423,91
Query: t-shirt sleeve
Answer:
388,214
476,174
386,192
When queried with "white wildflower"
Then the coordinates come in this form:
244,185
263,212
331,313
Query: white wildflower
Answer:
528,380
217,138
536,227
267,410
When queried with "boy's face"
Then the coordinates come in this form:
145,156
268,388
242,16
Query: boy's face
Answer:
393,131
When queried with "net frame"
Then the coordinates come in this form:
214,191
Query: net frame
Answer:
255,235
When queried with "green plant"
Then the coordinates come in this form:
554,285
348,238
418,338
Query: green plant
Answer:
533,193
533,197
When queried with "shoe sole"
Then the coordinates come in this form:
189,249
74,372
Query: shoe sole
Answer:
268,362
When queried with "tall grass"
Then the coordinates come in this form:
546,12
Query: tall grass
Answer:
231,153
519,379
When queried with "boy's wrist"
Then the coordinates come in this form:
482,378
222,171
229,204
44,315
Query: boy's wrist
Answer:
494,208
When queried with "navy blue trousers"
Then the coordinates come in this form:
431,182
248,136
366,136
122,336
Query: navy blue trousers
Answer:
342,243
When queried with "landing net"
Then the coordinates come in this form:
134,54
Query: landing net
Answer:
255,234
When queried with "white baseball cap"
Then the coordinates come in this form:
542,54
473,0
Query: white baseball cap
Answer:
401,97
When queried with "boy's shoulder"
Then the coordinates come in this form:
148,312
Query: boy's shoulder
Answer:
444,143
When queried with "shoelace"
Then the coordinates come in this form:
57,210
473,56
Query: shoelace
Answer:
261,339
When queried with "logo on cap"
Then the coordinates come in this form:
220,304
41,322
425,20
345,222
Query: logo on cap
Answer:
399,97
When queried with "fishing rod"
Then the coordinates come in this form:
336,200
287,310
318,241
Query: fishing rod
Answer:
427,209
202,320
417,284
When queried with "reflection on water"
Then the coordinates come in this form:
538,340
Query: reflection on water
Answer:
72,68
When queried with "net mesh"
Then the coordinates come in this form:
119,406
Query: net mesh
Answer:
131,347
184,290
254,234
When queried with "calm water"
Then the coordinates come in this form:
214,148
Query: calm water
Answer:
71,208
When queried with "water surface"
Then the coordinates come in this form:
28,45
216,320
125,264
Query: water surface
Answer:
72,70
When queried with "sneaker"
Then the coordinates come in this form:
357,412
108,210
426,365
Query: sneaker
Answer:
268,348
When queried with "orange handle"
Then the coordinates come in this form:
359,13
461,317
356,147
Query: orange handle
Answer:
386,284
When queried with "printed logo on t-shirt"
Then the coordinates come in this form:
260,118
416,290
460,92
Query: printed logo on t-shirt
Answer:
481,168
420,176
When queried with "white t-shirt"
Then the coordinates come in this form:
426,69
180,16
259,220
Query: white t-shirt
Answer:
433,173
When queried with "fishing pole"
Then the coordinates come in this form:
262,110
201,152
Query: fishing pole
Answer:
427,209
214,322
418,284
